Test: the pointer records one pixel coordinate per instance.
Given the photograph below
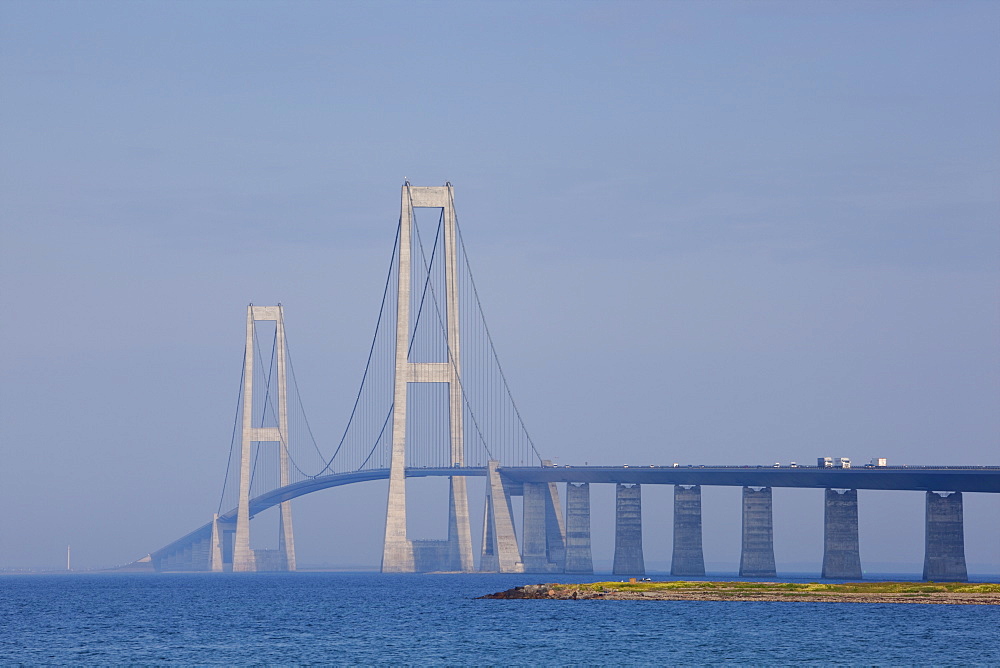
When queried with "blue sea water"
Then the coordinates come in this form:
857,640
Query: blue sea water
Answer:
365,618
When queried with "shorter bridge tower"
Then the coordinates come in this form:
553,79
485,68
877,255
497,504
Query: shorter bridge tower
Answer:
246,559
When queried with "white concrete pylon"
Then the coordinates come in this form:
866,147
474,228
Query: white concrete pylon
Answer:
243,555
398,550
215,547
500,550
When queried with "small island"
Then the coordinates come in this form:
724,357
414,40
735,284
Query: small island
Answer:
960,593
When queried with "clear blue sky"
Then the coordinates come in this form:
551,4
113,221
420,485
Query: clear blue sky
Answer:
734,232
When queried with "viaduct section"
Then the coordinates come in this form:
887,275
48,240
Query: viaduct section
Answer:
944,548
557,540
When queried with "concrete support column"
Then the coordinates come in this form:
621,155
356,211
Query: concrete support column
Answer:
555,529
215,563
286,535
944,538
500,551
628,530
200,554
228,545
757,557
459,526
578,556
841,556
534,551
489,560
195,555
688,558
243,559
286,541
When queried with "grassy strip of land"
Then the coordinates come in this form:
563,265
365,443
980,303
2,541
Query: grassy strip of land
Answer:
984,593
834,587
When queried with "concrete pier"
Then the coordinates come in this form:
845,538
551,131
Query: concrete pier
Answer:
578,555
841,555
628,530
757,556
688,558
266,560
533,551
489,560
555,528
429,554
944,538
215,563
543,547
500,553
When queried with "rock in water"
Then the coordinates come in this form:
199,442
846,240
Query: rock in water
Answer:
527,591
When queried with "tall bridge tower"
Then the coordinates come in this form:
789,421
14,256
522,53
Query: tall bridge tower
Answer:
246,559
400,553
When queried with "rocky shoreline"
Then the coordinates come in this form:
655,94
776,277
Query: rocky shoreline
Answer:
867,592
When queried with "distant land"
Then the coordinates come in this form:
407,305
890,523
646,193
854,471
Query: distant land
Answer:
956,593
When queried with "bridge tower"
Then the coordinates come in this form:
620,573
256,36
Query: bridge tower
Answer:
401,554
246,559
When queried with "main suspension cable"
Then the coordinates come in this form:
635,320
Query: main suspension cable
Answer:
489,336
371,351
232,440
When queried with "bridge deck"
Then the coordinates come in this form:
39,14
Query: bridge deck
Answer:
922,478
915,478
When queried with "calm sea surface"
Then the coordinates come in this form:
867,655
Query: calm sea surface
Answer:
362,618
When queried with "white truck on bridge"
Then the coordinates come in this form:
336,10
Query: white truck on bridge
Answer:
833,462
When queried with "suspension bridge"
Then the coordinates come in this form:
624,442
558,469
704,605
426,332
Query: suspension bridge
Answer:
433,400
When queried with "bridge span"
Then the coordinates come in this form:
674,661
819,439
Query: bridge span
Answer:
914,478
434,401
552,543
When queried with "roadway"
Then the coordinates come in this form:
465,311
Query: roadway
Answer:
916,478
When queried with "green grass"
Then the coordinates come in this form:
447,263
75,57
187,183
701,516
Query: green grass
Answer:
791,587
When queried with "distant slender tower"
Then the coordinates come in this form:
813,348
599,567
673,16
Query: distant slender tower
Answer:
67,559
244,558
